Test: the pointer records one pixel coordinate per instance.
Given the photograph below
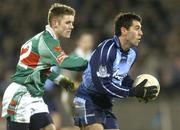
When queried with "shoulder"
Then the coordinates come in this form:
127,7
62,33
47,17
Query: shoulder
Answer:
106,46
107,50
48,39
106,43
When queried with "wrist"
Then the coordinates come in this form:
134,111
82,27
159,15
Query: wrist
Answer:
132,92
58,79
136,92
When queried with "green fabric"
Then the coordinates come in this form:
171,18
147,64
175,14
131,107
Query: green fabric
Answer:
53,75
74,63
37,56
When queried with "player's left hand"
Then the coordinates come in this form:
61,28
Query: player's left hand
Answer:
140,91
146,99
66,83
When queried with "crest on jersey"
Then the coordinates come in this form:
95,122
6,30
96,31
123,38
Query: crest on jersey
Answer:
57,49
102,72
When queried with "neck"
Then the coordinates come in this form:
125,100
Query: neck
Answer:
51,31
124,43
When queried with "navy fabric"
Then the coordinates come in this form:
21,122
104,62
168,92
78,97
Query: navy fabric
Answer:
37,121
107,72
40,120
105,78
17,126
87,112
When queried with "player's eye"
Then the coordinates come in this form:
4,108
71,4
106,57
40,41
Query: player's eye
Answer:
137,28
69,22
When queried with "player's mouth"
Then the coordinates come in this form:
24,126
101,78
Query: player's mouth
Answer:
69,31
139,39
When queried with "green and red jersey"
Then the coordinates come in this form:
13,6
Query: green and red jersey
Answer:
36,58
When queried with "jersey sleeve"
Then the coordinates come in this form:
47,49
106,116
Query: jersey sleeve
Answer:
53,54
74,63
128,81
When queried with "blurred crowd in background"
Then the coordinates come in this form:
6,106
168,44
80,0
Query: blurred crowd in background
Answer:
158,53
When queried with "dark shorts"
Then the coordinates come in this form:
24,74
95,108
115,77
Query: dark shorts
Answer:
37,122
86,112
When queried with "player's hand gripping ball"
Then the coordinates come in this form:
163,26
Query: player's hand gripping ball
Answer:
151,81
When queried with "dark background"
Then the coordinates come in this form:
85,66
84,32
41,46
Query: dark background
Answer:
158,51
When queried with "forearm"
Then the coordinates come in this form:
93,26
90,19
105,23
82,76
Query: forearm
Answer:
112,89
74,63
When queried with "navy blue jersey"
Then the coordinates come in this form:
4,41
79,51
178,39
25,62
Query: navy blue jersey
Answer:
107,71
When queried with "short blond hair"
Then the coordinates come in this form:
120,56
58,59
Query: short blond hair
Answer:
58,10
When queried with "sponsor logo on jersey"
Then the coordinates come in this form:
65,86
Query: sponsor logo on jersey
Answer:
61,57
118,76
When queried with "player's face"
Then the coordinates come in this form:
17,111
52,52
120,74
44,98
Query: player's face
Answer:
65,26
134,33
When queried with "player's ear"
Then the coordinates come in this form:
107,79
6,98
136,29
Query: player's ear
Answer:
123,30
54,22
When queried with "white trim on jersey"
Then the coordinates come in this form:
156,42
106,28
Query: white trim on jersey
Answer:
123,89
109,50
48,49
111,91
51,31
103,49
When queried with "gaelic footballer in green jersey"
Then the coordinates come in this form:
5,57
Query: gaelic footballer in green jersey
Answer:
23,105
37,56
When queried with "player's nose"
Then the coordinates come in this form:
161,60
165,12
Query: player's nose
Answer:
141,32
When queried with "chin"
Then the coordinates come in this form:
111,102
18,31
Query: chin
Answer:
135,44
67,36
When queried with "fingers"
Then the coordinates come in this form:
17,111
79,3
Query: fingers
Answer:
150,92
152,89
152,96
143,82
67,84
144,100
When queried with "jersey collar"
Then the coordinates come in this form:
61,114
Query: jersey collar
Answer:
50,30
116,40
118,44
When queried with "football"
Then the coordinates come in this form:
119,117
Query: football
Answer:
152,81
